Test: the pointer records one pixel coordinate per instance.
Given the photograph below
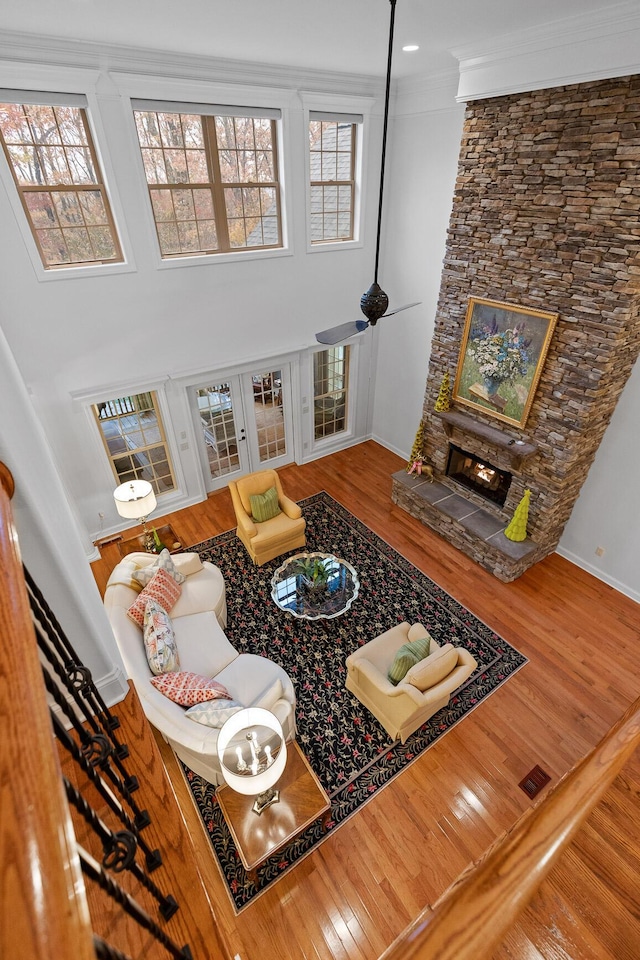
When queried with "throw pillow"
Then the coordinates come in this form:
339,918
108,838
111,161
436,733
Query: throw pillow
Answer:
402,663
407,656
213,713
427,673
164,561
159,639
187,563
264,506
188,688
163,588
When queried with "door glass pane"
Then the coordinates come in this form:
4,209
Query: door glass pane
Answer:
269,414
219,428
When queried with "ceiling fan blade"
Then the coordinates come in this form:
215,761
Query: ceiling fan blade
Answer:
390,313
342,332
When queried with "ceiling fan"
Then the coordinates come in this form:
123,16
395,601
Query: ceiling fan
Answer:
374,302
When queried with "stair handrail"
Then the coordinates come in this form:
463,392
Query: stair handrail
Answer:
44,912
470,920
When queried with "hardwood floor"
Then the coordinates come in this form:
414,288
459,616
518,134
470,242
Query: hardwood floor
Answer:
356,892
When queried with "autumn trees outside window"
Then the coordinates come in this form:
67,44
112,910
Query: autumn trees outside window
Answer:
213,179
332,164
54,164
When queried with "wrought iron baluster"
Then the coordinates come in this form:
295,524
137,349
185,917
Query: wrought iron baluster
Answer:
71,659
91,868
104,950
153,858
119,850
96,749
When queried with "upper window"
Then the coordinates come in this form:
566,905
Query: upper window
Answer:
332,153
55,167
213,181
134,438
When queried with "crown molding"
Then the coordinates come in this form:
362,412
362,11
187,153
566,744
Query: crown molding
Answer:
590,46
54,52
433,93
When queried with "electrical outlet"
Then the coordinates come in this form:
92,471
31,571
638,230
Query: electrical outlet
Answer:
599,551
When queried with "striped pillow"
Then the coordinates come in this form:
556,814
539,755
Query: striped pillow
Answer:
407,656
264,506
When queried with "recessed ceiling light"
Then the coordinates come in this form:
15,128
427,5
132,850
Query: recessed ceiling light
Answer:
411,47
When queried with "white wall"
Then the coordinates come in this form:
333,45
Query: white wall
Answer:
607,514
94,336
422,164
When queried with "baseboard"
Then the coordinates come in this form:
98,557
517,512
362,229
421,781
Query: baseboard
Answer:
599,574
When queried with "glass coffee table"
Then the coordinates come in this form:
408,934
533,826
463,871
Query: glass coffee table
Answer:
330,594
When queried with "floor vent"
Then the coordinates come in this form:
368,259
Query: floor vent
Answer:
534,781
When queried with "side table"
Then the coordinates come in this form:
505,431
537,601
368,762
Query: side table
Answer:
168,539
302,800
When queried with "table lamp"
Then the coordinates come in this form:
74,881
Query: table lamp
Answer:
253,753
135,500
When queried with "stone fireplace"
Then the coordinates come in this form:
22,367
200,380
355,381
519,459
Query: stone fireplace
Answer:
482,477
545,215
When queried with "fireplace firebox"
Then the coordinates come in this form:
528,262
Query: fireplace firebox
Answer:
483,478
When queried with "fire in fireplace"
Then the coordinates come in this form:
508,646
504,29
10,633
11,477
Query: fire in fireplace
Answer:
478,475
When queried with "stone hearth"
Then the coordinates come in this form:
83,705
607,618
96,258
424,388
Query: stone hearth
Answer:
545,215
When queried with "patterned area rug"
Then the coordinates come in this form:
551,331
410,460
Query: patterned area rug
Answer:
350,752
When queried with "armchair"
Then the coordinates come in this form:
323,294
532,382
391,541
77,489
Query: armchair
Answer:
403,708
270,538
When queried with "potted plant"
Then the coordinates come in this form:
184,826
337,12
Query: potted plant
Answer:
314,574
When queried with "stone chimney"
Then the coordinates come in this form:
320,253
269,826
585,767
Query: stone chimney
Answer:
546,215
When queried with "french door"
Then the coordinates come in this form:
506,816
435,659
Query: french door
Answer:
244,422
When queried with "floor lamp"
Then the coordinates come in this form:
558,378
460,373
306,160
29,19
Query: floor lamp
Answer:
135,500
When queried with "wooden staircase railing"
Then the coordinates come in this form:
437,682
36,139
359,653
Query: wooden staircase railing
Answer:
44,912
471,919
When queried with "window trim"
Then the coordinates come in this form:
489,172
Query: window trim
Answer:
36,83
164,441
336,438
335,106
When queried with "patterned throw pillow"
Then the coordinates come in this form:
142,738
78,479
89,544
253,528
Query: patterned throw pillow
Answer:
159,639
164,561
188,688
264,506
213,713
162,588
407,656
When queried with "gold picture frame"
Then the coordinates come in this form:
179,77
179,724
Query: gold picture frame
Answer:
502,354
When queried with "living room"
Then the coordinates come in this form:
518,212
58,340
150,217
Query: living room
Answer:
72,341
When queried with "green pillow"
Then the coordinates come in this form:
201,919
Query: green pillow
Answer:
264,506
407,656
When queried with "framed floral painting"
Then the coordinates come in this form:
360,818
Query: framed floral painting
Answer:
501,358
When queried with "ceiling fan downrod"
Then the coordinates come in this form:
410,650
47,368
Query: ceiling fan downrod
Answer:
374,302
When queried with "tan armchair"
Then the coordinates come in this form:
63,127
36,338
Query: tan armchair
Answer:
403,708
271,538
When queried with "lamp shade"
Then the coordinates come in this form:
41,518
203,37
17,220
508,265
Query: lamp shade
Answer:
252,750
135,499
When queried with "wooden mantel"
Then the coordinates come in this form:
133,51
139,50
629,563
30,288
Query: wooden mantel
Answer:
516,450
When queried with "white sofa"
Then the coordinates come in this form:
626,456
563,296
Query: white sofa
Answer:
198,618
